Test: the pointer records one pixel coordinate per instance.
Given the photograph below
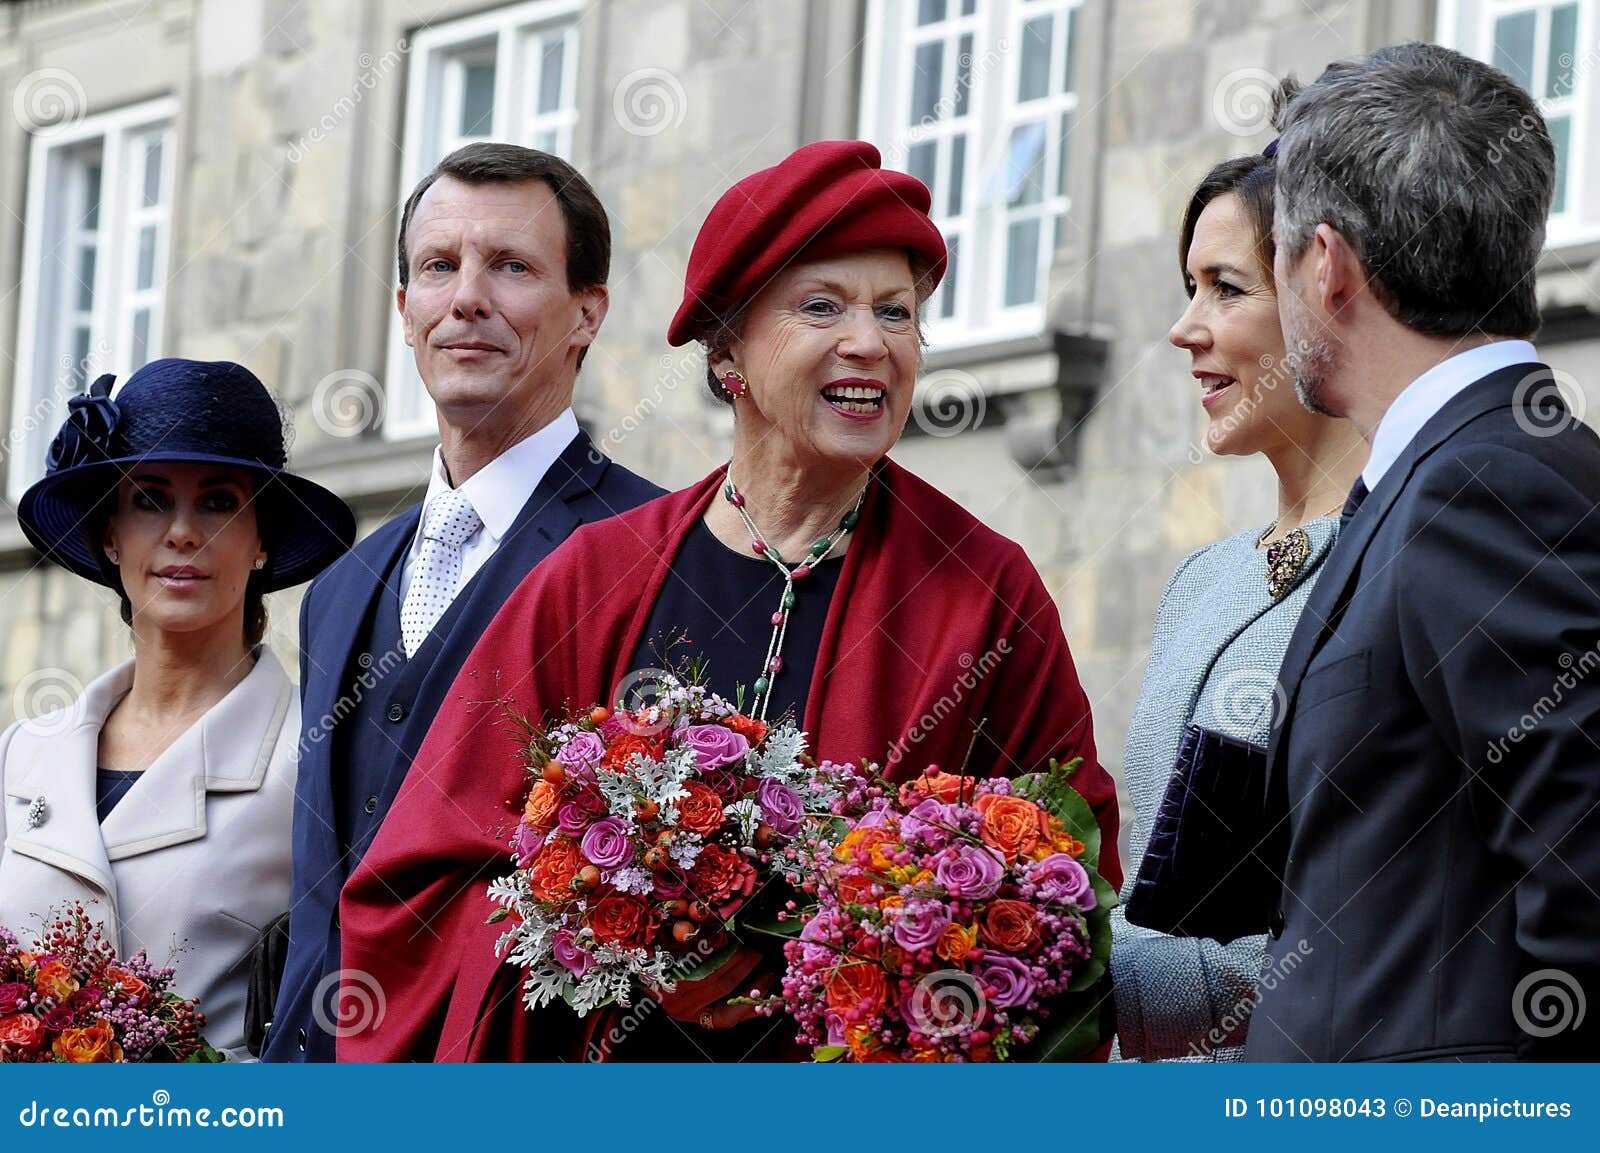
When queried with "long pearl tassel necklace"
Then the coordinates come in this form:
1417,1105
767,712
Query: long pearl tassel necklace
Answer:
821,549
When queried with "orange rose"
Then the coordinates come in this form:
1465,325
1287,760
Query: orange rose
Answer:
865,1048
1010,824
946,787
622,919
956,942
868,843
1011,927
21,1032
55,980
554,868
856,983
544,799
855,889
121,981
622,749
701,811
749,728
92,1045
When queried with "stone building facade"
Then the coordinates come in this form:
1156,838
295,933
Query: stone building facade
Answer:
235,166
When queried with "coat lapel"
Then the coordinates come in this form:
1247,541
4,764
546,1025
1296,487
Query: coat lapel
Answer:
58,755
1335,587
226,750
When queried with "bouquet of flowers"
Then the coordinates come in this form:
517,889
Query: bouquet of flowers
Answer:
69,999
643,833
956,919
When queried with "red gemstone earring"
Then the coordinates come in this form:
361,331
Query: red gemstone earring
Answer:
733,380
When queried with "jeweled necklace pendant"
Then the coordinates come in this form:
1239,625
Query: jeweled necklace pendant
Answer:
1285,559
821,549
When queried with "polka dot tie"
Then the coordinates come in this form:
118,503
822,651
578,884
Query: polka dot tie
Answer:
449,521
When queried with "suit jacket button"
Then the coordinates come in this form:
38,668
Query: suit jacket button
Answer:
371,806
1275,926
397,712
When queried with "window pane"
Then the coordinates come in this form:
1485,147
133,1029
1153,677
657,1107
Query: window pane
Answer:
152,171
547,141
477,98
930,11
1063,148
1563,42
1561,135
947,286
958,174
928,81
1022,262
141,339
147,257
1072,47
550,74
1033,79
963,73
91,196
1513,47
920,162
1025,164
86,278
968,7
78,374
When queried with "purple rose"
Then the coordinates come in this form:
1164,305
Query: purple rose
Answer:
568,954
722,782
528,843
1062,880
931,822
59,1018
606,843
920,924
835,1025
1010,979
13,997
971,872
782,807
713,745
581,755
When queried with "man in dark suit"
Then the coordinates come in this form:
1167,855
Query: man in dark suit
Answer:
504,254
1436,773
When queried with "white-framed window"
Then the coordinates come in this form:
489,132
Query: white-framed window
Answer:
95,253
509,74
1541,44
976,99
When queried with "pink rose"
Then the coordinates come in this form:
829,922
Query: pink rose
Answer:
569,954
713,745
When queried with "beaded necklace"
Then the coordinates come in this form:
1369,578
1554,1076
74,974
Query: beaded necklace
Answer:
821,550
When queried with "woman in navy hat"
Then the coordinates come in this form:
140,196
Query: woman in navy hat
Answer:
162,798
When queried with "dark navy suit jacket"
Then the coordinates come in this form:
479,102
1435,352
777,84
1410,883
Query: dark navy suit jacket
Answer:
1436,776
384,705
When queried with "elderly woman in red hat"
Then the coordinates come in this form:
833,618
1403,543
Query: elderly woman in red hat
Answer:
811,570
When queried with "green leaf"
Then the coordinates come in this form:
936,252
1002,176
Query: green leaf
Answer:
1073,1029
827,1054
710,965
1098,921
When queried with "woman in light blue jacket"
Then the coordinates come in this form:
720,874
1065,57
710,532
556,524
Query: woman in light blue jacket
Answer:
1227,613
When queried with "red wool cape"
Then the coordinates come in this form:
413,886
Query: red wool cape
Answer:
938,622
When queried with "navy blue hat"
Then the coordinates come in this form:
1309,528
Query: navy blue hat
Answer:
186,411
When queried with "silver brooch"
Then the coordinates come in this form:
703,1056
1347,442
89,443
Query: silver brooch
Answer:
37,812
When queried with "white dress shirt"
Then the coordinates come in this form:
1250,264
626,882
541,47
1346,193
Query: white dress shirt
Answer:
1430,392
498,491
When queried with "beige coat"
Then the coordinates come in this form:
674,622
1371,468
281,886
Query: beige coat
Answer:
192,863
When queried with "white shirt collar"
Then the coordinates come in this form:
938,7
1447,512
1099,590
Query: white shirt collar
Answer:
1430,392
499,490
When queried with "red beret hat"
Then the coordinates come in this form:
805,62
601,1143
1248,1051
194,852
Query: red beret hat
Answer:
827,198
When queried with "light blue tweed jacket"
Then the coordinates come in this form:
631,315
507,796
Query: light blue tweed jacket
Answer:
1215,655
